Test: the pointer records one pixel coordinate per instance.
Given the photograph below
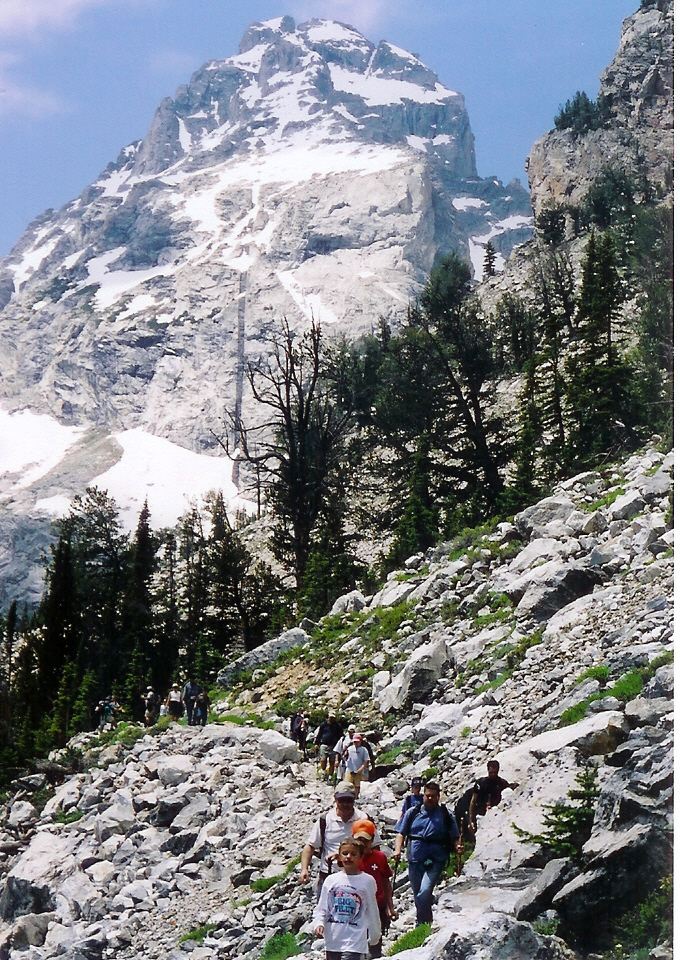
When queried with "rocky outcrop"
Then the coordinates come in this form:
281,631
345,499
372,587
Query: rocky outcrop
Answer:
637,138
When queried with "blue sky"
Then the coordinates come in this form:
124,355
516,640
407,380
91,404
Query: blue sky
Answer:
79,79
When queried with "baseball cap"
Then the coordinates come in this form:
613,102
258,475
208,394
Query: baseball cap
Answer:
417,782
343,791
357,738
363,828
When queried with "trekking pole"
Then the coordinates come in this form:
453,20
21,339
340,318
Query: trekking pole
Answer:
459,860
397,861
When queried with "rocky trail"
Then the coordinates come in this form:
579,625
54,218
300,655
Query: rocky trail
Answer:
546,642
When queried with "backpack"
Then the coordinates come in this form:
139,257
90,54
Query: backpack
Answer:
411,814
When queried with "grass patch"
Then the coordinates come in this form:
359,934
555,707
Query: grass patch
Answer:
411,939
199,934
430,774
436,753
465,732
600,673
71,817
500,610
546,928
264,883
247,718
626,688
605,501
403,750
280,947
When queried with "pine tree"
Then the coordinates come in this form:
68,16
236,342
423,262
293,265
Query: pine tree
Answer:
567,826
489,268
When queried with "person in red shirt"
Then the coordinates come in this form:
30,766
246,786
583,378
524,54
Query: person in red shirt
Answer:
375,863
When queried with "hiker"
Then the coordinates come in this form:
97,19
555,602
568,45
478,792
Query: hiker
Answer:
375,863
111,708
326,834
201,708
174,702
191,691
340,750
357,762
100,715
485,793
327,736
346,914
414,799
433,835
151,707
301,734
294,724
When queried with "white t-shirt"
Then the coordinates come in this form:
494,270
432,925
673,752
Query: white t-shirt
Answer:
348,910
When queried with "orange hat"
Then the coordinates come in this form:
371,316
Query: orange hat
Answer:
363,828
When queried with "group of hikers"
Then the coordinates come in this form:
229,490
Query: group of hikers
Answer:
355,886
192,700
341,756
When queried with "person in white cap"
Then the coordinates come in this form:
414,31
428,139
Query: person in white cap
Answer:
341,748
357,762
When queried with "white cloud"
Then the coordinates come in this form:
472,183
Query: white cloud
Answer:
23,16
365,15
18,97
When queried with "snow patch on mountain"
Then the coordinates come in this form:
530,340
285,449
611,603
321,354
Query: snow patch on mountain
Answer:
32,444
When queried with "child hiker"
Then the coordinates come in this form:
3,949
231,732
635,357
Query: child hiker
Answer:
374,863
346,915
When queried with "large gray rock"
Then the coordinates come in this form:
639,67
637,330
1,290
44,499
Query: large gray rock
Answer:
274,746
417,678
621,869
537,898
264,654
556,587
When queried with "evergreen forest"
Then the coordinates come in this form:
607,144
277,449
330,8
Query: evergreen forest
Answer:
407,437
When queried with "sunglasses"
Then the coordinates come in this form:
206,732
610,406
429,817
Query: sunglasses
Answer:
344,800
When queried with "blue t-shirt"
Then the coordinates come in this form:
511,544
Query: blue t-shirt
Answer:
430,838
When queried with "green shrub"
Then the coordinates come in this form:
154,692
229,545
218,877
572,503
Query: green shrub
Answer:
606,500
436,753
546,928
646,925
466,731
280,947
430,774
626,688
581,113
410,940
199,934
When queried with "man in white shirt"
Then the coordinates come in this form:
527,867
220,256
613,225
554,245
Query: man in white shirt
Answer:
357,762
327,833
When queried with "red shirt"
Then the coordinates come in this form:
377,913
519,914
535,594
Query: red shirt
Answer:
375,863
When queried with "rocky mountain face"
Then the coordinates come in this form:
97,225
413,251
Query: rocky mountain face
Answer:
313,174
637,89
469,652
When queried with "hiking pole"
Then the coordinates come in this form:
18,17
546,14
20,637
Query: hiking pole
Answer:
397,861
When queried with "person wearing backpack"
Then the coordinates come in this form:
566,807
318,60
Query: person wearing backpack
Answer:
327,736
433,836
191,691
151,707
414,799
327,833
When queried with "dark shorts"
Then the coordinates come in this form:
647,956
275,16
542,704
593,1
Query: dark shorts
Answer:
344,955
175,709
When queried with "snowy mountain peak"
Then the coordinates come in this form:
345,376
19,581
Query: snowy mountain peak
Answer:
312,174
